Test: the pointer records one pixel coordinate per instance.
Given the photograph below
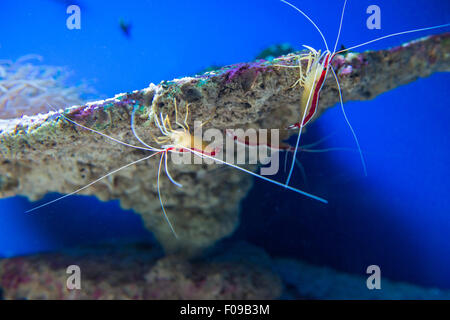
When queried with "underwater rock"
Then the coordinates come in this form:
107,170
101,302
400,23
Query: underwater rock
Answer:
305,281
45,153
140,272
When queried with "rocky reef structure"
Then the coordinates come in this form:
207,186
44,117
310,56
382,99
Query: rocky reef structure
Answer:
27,87
141,272
44,153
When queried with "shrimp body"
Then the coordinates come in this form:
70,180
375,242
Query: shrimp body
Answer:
184,141
180,139
312,81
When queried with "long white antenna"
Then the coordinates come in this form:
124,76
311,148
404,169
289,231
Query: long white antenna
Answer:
133,129
393,35
90,184
340,27
169,175
159,196
309,195
310,20
348,123
98,132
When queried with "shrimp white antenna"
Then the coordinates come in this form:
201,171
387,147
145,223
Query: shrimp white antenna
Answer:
340,27
169,176
393,35
158,125
310,20
100,133
90,184
363,162
297,144
133,129
309,195
159,196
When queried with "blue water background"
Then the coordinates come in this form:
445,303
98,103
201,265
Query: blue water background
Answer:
398,217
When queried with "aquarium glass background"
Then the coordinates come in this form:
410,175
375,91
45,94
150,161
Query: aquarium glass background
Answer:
398,217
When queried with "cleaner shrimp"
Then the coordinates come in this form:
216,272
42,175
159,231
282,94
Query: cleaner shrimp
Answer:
174,140
312,79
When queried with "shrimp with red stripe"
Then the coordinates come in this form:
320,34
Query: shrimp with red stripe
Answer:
313,77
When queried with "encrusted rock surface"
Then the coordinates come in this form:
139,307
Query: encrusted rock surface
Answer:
44,153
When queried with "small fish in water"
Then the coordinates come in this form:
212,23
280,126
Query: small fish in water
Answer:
125,27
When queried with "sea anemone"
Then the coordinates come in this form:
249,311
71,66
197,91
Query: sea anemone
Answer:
27,88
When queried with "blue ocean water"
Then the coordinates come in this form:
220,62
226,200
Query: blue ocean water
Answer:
398,217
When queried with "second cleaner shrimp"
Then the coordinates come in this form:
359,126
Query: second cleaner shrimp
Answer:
313,76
